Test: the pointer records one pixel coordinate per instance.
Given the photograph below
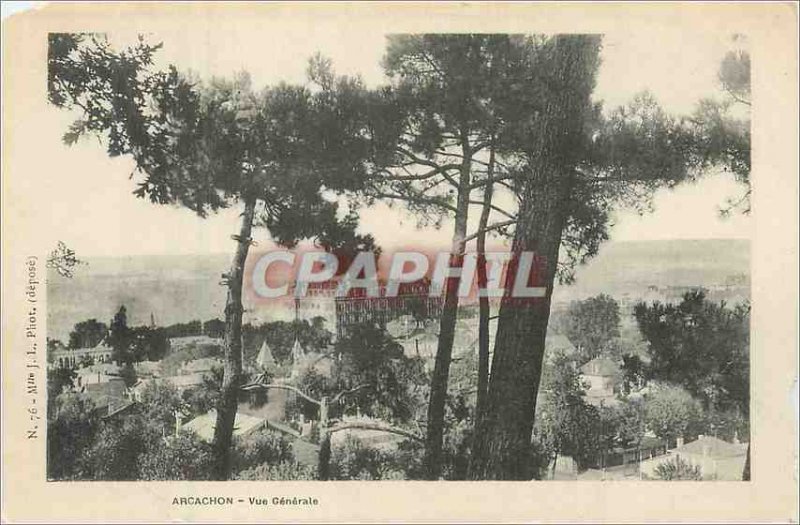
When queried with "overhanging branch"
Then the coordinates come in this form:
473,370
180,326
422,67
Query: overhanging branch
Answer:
491,227
415,199
499,210
378,427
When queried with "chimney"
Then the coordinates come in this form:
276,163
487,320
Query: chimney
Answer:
680,441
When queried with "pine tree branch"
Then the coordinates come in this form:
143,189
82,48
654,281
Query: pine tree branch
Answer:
348,392
440,170
491,227
378,427
415,199
498,179
499,210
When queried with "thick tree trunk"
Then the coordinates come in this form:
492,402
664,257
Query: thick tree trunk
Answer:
228,401
504,430
503,441
447,326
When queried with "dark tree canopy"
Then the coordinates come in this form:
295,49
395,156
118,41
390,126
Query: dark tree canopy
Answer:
592,325
204,145
701,345
87,334
120,337
369,356
565,423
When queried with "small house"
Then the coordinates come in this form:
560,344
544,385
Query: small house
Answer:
204,425
602,376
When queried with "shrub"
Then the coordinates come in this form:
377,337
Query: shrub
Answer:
183,457
354,460
263,448
115,452
678,469
71,428
290,471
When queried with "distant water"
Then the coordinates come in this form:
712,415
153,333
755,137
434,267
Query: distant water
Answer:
626,267
183,288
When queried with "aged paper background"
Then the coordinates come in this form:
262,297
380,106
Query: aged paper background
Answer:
771,29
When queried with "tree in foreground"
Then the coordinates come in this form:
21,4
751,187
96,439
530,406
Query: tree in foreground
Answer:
214,145
450,106
579,165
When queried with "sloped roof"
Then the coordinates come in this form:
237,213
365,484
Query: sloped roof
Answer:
265,359
600,366
204,425
558,342
203,364
109,397
177,343
102,368
186,380
101,346
148,367
114,387
711,447
297,350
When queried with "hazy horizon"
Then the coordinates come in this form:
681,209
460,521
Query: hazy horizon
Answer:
180,288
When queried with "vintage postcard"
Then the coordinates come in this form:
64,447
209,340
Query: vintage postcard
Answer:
400,262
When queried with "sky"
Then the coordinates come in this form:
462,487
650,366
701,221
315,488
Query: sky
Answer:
679,68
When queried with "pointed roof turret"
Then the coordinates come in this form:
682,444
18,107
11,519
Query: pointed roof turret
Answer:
297,352
265,359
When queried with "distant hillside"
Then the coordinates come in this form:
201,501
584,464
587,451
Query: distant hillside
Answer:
172,288
180,288
631,266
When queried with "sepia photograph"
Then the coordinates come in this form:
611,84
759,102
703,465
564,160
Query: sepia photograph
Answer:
269,253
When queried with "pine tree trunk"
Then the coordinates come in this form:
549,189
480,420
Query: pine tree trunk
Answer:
484,311
229,394
447,326
504,429
503,434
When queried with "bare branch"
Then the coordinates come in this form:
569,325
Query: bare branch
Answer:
499,210
416,200
491,227
476,161
378,427
484,182
347,392
737,98
440,170
261,386
418,160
